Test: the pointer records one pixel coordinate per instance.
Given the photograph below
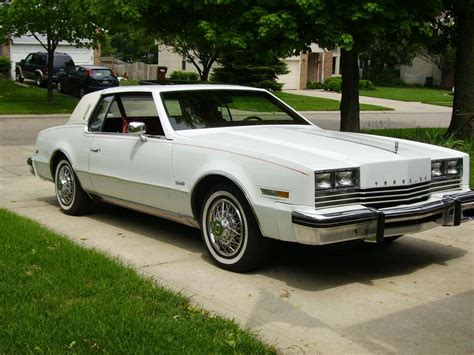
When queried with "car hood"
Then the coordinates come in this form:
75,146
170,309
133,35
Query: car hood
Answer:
380,159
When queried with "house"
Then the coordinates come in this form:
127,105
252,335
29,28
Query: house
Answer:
420,69
18,48
317,65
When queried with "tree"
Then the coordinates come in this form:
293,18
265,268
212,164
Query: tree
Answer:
54,20
462,119
206,31
131,44
251,70
196,49
439,48
355,26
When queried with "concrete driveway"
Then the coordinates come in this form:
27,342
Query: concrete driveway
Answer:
414,296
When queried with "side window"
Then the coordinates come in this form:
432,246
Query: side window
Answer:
29,58
42,59
132,107
95,122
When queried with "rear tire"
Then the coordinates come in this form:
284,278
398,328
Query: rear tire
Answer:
72,199
39,81
230,230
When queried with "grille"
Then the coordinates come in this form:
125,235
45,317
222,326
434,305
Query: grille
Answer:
386,196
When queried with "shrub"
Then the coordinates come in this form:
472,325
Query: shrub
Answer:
366,85
5,65
314,85
184,75
333,84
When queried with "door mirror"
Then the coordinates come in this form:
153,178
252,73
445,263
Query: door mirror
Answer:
136,128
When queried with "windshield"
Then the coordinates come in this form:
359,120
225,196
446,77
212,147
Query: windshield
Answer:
223,108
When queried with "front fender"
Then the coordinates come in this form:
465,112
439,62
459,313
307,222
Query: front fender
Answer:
251,173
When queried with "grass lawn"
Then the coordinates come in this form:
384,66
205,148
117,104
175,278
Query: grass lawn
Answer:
417,94
57,297
432,136
308,103
17,99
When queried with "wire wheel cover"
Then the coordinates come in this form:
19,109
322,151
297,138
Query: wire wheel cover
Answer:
225,227
65,184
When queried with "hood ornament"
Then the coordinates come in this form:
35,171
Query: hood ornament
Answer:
396,147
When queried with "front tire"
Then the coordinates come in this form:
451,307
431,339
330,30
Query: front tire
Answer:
59,88
18,77
230,230
82,92
71,197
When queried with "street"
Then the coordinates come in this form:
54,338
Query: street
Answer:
414,296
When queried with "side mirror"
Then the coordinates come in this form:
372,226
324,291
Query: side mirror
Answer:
136,128
22,61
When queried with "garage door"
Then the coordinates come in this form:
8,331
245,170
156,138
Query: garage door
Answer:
291,81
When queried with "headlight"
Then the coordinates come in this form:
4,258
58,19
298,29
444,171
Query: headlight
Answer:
323,181
346,178
446,168
453,167
437,169
337,179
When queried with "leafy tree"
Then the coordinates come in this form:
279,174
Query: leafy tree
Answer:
130,45
439,48
242,69
55,20
382,60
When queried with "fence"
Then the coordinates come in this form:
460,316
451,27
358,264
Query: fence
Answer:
135,71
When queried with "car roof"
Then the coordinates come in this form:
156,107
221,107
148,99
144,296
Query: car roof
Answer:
90,66
55,53
179,87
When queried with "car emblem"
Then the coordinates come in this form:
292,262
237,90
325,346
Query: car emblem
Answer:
396,147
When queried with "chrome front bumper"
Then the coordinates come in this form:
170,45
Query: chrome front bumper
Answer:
372,225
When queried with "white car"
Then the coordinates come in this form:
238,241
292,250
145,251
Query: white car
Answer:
244,167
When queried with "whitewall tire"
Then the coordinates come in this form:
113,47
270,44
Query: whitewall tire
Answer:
230,230
72,199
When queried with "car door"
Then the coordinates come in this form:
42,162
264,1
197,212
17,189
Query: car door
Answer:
125,167
27,66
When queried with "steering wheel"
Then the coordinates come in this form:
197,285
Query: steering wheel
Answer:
252,118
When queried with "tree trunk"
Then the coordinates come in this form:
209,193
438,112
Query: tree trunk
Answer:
205,71
350,119
462,119
51,49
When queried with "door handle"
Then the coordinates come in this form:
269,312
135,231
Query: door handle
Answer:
95,150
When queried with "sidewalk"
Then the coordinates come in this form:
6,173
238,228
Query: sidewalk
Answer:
398,106
404,114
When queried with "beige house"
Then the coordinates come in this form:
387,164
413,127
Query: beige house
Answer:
317,65
418,71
